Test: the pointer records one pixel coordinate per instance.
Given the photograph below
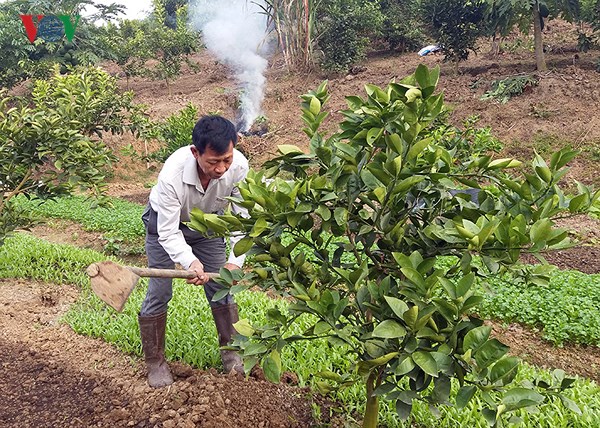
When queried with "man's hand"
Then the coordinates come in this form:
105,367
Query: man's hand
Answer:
231,266
201,278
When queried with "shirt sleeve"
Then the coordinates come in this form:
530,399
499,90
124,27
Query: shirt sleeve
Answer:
169,217
236,209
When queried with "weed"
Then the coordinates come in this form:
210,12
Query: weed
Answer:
540,111
567,310
593,152
504,89
546,144
517,45
122,224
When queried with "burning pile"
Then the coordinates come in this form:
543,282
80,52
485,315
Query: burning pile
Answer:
235,31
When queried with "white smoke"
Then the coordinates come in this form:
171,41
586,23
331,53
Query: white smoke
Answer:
235,32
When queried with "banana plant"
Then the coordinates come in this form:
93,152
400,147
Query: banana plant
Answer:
390,231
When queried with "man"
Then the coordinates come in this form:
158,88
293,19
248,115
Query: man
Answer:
201,175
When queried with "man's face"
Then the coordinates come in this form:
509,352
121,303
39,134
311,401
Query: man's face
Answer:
212,164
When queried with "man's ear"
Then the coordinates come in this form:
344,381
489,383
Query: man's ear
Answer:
195,152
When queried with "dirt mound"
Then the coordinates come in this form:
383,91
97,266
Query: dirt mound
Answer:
51,377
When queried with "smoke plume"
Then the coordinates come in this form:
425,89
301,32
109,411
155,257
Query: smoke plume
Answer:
235,32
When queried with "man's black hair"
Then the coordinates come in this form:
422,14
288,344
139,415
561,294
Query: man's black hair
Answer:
215,132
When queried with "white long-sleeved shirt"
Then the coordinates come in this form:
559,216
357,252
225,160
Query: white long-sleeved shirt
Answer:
178,190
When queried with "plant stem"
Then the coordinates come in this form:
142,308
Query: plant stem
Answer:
372,408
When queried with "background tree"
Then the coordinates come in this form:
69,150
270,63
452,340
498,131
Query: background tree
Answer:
527,12
51,144
21,59
456,25
294,24
127,45
170,46
383,247
402,27
343,27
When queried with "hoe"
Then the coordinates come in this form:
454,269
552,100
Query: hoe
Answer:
114,283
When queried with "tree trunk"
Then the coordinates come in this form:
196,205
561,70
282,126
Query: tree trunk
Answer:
372,409
537,37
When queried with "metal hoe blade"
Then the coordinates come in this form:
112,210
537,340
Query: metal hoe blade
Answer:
112,283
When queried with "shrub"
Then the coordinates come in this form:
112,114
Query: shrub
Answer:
401,28
175,132
343,27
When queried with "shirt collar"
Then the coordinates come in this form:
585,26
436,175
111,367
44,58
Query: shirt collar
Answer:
190,172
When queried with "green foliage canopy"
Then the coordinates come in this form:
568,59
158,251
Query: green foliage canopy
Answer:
47,145
456,25
376,210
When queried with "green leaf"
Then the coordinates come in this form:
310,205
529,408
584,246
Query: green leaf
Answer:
380,193
570,404
379,361
403,409
373,135
287,149
259,227
410,317
417,148
405,366
272,366
422,76
426,362
324,212
476,337
255,349
329,375
408,183
504,370
244,328
490,352
321,327
341,216
398,306
243,246
465,284
384,389
414,276
389,329
464,395
315,105
441,390
517,398
220,294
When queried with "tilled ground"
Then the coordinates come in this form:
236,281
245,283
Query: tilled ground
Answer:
52,377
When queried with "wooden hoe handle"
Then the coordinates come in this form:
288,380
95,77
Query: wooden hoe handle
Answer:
168,273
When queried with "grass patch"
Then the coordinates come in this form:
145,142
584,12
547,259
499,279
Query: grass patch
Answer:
25,256
121,224
566,310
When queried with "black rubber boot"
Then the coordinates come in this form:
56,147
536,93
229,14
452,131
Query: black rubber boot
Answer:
152,330
225,316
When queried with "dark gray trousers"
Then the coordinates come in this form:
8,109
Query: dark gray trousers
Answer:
210,251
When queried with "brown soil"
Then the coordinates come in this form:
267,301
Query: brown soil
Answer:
584,257
52,377
526,344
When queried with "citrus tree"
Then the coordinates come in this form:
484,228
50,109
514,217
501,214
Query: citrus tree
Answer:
51,143
170,46
527,12
456,25
391,230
